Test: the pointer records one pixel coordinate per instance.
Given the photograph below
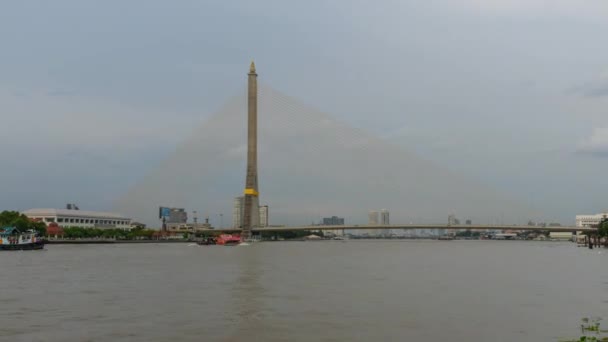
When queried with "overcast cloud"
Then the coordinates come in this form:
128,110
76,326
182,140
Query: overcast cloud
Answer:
96,94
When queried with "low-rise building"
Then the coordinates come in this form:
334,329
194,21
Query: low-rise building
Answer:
565,236
79,218
188,227
589,220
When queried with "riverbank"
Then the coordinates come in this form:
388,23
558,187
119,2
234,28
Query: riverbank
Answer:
112,241
105,241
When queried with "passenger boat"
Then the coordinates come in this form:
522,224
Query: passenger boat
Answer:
12,239
222,240
228,240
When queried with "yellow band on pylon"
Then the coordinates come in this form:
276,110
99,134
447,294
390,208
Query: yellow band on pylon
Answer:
251,192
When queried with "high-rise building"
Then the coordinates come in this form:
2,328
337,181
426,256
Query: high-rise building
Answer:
177,215
333,221
452,220
385,221
384,217
264,216
373,218
238,212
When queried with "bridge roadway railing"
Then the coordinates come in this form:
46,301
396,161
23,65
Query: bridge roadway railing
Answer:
419,226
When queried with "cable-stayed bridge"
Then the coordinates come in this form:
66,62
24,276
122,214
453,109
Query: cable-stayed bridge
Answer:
310,163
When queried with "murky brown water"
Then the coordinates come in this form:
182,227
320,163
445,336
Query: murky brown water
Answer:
303,291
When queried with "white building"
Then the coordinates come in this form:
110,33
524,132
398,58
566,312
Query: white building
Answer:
79,218
385,220
384,217
565,236
589,220
238,212
452,221
264,216
373,218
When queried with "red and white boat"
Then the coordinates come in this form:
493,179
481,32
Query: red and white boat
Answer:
228,240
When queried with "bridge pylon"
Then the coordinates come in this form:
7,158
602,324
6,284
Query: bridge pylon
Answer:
251,217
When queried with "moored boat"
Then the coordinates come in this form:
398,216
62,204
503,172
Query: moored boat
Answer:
206,242
12,239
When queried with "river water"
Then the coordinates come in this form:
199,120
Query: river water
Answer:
303,291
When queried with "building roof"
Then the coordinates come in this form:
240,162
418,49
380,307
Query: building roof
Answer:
600,215
8,231
73,213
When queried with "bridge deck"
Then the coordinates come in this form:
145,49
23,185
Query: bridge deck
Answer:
418,226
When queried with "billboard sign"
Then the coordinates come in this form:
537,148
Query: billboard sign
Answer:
164,212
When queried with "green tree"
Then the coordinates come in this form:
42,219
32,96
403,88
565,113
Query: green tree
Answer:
7,217
602,228
21,222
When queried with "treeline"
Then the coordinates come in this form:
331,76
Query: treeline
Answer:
120,234
468,233
21,222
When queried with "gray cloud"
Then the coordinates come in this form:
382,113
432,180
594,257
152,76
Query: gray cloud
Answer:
61,92
460,86
602,153
597,88
598,152
596,144
564,7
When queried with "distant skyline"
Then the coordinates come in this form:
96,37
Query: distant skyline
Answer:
512,94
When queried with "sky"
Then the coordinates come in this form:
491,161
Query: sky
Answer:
95,95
